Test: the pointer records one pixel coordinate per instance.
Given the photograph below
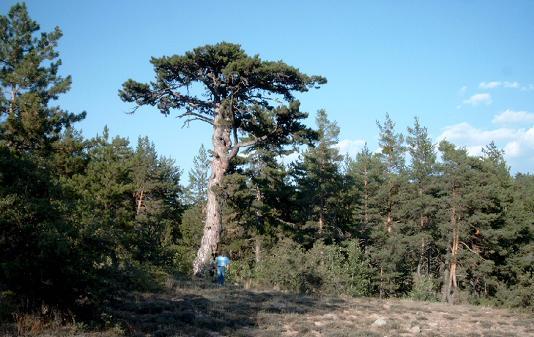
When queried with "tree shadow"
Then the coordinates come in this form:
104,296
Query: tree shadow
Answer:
211,311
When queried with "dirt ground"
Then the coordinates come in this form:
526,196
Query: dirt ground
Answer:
203,309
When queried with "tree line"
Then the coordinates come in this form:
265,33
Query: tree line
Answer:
84,219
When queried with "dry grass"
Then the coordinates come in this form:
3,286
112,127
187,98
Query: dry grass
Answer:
203,309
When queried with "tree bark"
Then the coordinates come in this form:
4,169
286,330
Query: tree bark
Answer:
219,166
366,197
421,226
257,248
455,244
140,200
421,256
389,220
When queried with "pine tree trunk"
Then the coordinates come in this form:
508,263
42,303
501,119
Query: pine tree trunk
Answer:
421,226
366,197
257,249
219,166
321,222
421,255
455,244
260,224
381,290
389,220
140,201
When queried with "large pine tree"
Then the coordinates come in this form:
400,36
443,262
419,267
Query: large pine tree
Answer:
235,96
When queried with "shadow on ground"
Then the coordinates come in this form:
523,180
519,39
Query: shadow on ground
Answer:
203,309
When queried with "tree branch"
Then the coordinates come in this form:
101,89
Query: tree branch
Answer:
472,251
196,117
236,147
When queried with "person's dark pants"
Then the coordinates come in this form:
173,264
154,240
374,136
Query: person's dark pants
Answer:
220,274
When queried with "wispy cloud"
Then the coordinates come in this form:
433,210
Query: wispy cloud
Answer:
513,117
477,99
489,85
505,84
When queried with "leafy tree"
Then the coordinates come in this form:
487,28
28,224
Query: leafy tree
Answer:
234,95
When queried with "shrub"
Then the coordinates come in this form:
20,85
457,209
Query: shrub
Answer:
324,269
424,288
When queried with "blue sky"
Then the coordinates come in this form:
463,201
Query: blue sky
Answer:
465,68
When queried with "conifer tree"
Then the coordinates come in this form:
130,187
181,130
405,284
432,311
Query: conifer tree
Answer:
389,247
30,82
321,187
475,200
237,91
392,156
40,263
197,190
367,173
421,199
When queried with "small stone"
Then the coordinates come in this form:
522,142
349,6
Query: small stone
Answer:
379,322
319,323
415,329
331,316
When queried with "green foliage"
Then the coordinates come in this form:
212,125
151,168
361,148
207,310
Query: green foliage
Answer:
322,270
282,267
238,84
84,219
321,188
191,234
424,288
197,190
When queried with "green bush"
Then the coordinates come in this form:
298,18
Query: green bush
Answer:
322,270
282,267
423,288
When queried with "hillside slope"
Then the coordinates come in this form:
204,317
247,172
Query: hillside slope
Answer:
202,309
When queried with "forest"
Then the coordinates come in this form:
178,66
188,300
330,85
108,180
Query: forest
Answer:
82,219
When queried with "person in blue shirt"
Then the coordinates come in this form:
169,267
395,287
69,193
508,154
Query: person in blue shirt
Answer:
222,263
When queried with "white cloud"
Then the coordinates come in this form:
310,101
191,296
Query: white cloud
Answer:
475,150
513,117
512,149
462,90
513,85
473,136
505,84
350,147
489,85
518,143
478,99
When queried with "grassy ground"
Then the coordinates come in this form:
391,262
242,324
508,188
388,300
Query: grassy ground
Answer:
203,309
